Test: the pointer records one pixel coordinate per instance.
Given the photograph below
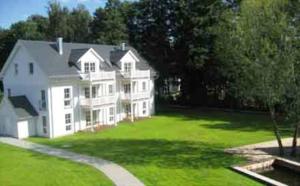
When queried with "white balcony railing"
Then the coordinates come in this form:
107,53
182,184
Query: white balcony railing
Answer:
98,76
135,96
87,102
136,74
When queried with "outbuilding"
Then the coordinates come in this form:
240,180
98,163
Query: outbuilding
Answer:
17,117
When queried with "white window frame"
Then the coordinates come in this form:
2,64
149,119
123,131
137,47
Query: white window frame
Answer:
144,107
86,67
127,66
43,102
144,86
94,92
89,67
110,89
44,120
16,69
127,88
68,97
68,121
93,67
8,92
87,92
88,123
31,68
111,113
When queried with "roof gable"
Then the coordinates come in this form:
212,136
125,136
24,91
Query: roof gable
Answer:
19,54
91,50
131,54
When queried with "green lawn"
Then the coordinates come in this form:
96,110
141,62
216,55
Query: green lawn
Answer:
175,148
20,167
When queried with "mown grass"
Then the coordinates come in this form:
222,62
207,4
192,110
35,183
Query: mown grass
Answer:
175,147
20,167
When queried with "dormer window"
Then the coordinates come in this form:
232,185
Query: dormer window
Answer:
127,67
93,67
86,67
89,67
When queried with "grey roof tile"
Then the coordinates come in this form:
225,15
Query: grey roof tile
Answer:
45,53
22,107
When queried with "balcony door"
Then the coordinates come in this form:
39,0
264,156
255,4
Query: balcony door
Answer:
127,88
127,110
96,117
134,87
101,117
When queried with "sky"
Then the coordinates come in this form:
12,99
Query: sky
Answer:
12,11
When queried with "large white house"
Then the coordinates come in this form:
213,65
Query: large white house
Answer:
53,88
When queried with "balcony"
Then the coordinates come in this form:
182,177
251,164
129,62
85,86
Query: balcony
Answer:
98,76
136,74
105,100
135,96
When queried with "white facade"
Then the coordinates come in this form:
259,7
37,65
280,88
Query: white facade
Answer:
67,104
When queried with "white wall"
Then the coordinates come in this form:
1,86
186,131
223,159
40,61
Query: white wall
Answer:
58,109
152,96
128,58
26,128
8,121
24,83
88,57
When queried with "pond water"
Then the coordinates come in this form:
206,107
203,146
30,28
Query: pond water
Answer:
283,175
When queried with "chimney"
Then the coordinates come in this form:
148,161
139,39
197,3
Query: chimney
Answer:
59,43
123,46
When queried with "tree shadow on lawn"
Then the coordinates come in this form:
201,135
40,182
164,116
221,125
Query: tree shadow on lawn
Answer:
161,153
226,120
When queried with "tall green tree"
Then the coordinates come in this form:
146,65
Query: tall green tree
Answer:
175,37
292,104
32,29
58,21
256,47
108,25
79,21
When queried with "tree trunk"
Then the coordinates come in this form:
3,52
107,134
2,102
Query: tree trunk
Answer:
294,145
276,131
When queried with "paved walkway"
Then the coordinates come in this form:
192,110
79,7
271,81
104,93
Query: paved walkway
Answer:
119,175
261,151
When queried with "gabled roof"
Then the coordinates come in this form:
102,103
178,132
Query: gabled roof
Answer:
117,55
76,54
46,55
22,107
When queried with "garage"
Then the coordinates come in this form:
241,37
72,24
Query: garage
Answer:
18,117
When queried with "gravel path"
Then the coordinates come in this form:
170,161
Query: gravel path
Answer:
261,151
119,175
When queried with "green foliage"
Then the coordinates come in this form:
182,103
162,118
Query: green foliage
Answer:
58,21
175,147
22,167
79,22
108,26
257,51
